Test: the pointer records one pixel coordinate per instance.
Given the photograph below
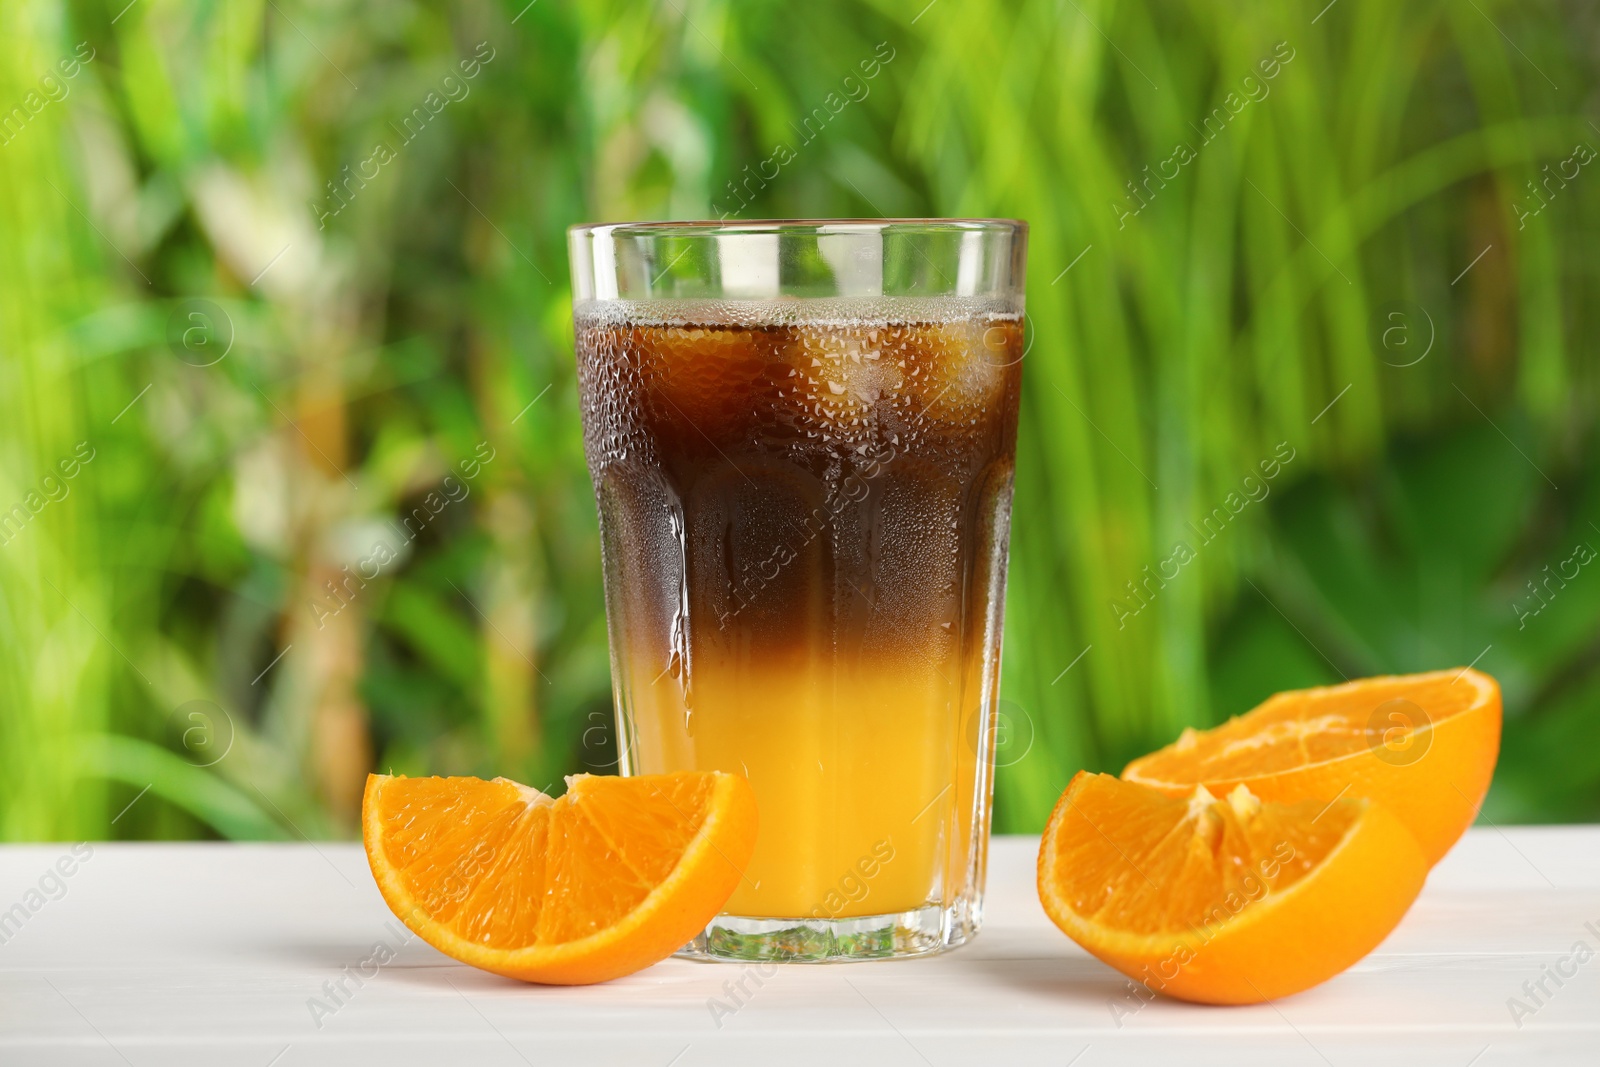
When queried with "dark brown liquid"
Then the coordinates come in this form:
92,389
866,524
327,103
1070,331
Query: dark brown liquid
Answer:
804,530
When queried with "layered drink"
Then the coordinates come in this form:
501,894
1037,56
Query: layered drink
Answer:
804,508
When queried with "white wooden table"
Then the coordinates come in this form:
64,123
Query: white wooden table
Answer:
219,955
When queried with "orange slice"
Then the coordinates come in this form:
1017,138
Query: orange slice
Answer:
616,874
1422,745
1229,901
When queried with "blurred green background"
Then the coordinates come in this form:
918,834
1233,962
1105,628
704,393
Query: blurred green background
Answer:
279,279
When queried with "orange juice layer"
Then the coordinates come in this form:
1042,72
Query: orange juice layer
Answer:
864,776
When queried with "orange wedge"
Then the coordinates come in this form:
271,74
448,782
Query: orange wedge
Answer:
1228,901
616,874
1422,745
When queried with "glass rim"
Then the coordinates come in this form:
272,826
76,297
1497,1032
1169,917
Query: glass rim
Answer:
723,228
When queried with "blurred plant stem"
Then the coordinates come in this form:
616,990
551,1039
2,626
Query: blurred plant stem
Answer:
340,749
55,604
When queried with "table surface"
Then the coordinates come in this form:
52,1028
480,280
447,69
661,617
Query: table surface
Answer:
218,954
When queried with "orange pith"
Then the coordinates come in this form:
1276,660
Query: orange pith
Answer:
614,875
1224,900
1422,745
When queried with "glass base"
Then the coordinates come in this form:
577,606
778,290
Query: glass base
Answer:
919,932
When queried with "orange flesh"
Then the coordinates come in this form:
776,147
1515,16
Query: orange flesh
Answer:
1144,863
1303,728
1224,901
505,866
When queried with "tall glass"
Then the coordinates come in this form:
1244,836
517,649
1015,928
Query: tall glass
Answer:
802,437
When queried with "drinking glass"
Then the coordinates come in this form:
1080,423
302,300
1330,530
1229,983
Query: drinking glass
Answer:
802,436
